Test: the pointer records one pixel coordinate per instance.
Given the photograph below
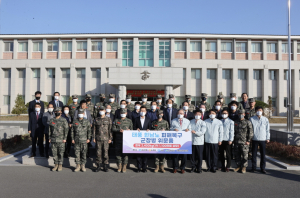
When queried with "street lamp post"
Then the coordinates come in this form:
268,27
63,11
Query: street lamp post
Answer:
289,88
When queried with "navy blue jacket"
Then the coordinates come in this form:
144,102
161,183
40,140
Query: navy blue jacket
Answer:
61,104
166,115
35,125
137,124
31,107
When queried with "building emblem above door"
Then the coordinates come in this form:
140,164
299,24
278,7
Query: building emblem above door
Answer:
145,75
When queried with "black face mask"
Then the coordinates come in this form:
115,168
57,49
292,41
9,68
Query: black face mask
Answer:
88,99
204,99
57,114
102,99
37,98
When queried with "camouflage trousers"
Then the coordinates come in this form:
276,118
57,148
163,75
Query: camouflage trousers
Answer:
102,152
80,152
241,155
160,159
121,157
58,149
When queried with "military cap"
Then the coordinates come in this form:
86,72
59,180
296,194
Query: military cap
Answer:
144,96
204,95
160,111
232,95
220,96
80,111
251,100
128,97
241,111
112,95
102,95
159,96
123,111
74,96
101,108
188,96
171,96
88,95
57,109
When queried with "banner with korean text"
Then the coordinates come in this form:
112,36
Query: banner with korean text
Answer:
157,142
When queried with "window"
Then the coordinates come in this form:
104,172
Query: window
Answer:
97,46
184,73
146,53
285,48
49,98
23,47
7,73
81,46
37,46
95,99
242,74
227,100
256,74
6,100
274,102
50,73
256,98
180,46
52,46
272,75
22,73
196,74
164,53
256,47
127,53
286,74
211,101
226,47
195,46
8,46
80,73
211,46
272,47
65,99
65,73
241,47
112,46
211,74
36,73
67,46
96,73
226,74
298,47
285,101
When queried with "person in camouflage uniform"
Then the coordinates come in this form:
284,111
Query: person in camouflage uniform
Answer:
58,131
159,102
102,137
234,98
172,97
250,111
221,99
204,102
188,98
74,106
130,106
118,127
243,133
99,104
113,104
80,134
144,102
90,106
160,125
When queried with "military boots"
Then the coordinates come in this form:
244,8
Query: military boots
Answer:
77,168
124,168
59,168
156,169
55,167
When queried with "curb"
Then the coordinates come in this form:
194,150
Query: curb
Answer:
14,154
283,125
280,164
8,122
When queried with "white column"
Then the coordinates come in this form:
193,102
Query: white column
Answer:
172,55
135,52
250,82
74,48
264,49
103,79
15,50
30,48
203,48
13,86
119,53
204,80
45,49
188,77
168,91
219,79
234,79
156,52
294,50
234,49
43,77
88,77
1,50
89,48
72,80
188,48
28,79
218,48
280,92
295,91
121,93
249,50
103,48
265,86
59,49
279,49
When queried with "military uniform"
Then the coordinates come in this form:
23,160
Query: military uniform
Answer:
58,131
207,105
114,105
99,104
160,106
174,106
243,132
125,124
223,105
191,106
146,104
130,106
73,107
90,106
240,106
250,112
80,133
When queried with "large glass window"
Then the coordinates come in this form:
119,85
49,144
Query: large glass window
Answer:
242,74
241,47
274,102
226,74
23,47
184,73
196,73
298,47
96,73
6,100
80,72
256,74
286,74
8,46
65,73
7,73
226,46
81,46
112,46
146,53
36,73
127,53
256,47
164,53
53,46
50,73
97,46
211,74
210,46
65,99
272,47
37,46
272,74
67,46
180,46
195,46
22,73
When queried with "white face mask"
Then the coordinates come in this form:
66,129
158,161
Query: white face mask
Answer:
144,99
232,99
108,110
142,113
66,112
37,109
111,100
122,106
153,107
185,108
56,97
80,115
159,101
137,107
101,112
169,105
218,107
179,116
224,116
172,99
233,107
202,109
50,110
128,100
197,117
259,113
75,100
123,115
212,116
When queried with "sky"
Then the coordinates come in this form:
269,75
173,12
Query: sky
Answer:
152,16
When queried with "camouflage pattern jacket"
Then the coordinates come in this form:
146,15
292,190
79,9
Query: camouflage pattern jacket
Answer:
147,105
114,107
97,106
207,105
91,108
130,107
249,113
58,129
73,107
81,130
102,129
160,125
243,131
121,124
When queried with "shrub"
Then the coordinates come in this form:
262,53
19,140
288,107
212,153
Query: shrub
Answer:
285,151
19,107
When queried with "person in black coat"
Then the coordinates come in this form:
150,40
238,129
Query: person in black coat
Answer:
37,99
36,130
142,123
108,113
123,105
169,112
56,102
187,114
136,112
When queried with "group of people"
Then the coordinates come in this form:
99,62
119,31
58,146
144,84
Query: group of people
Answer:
216,131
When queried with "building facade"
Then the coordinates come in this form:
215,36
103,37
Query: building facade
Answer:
148,63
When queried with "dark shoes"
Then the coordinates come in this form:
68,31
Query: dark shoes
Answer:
98,168
33,155
174,170
227,170
144,170
138,170
213,170
199,171
193,170
264,171
105,167
182,171
253,170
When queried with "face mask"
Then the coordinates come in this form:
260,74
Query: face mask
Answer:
142,113
50,110
232,99
88,99
224,116
172,99
128,100
189,100
56,97
159,101
233,107
197,117
102,99
122,106
221,100
101,112
80,115
180,116
123,115
259,113
202,109
66,112
111,100
169,105
144,99
57,114
204,99
185,108
75,100
153,107
137,107
37,109
241,116
218,107
108,110
37,98
160,116
212,116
